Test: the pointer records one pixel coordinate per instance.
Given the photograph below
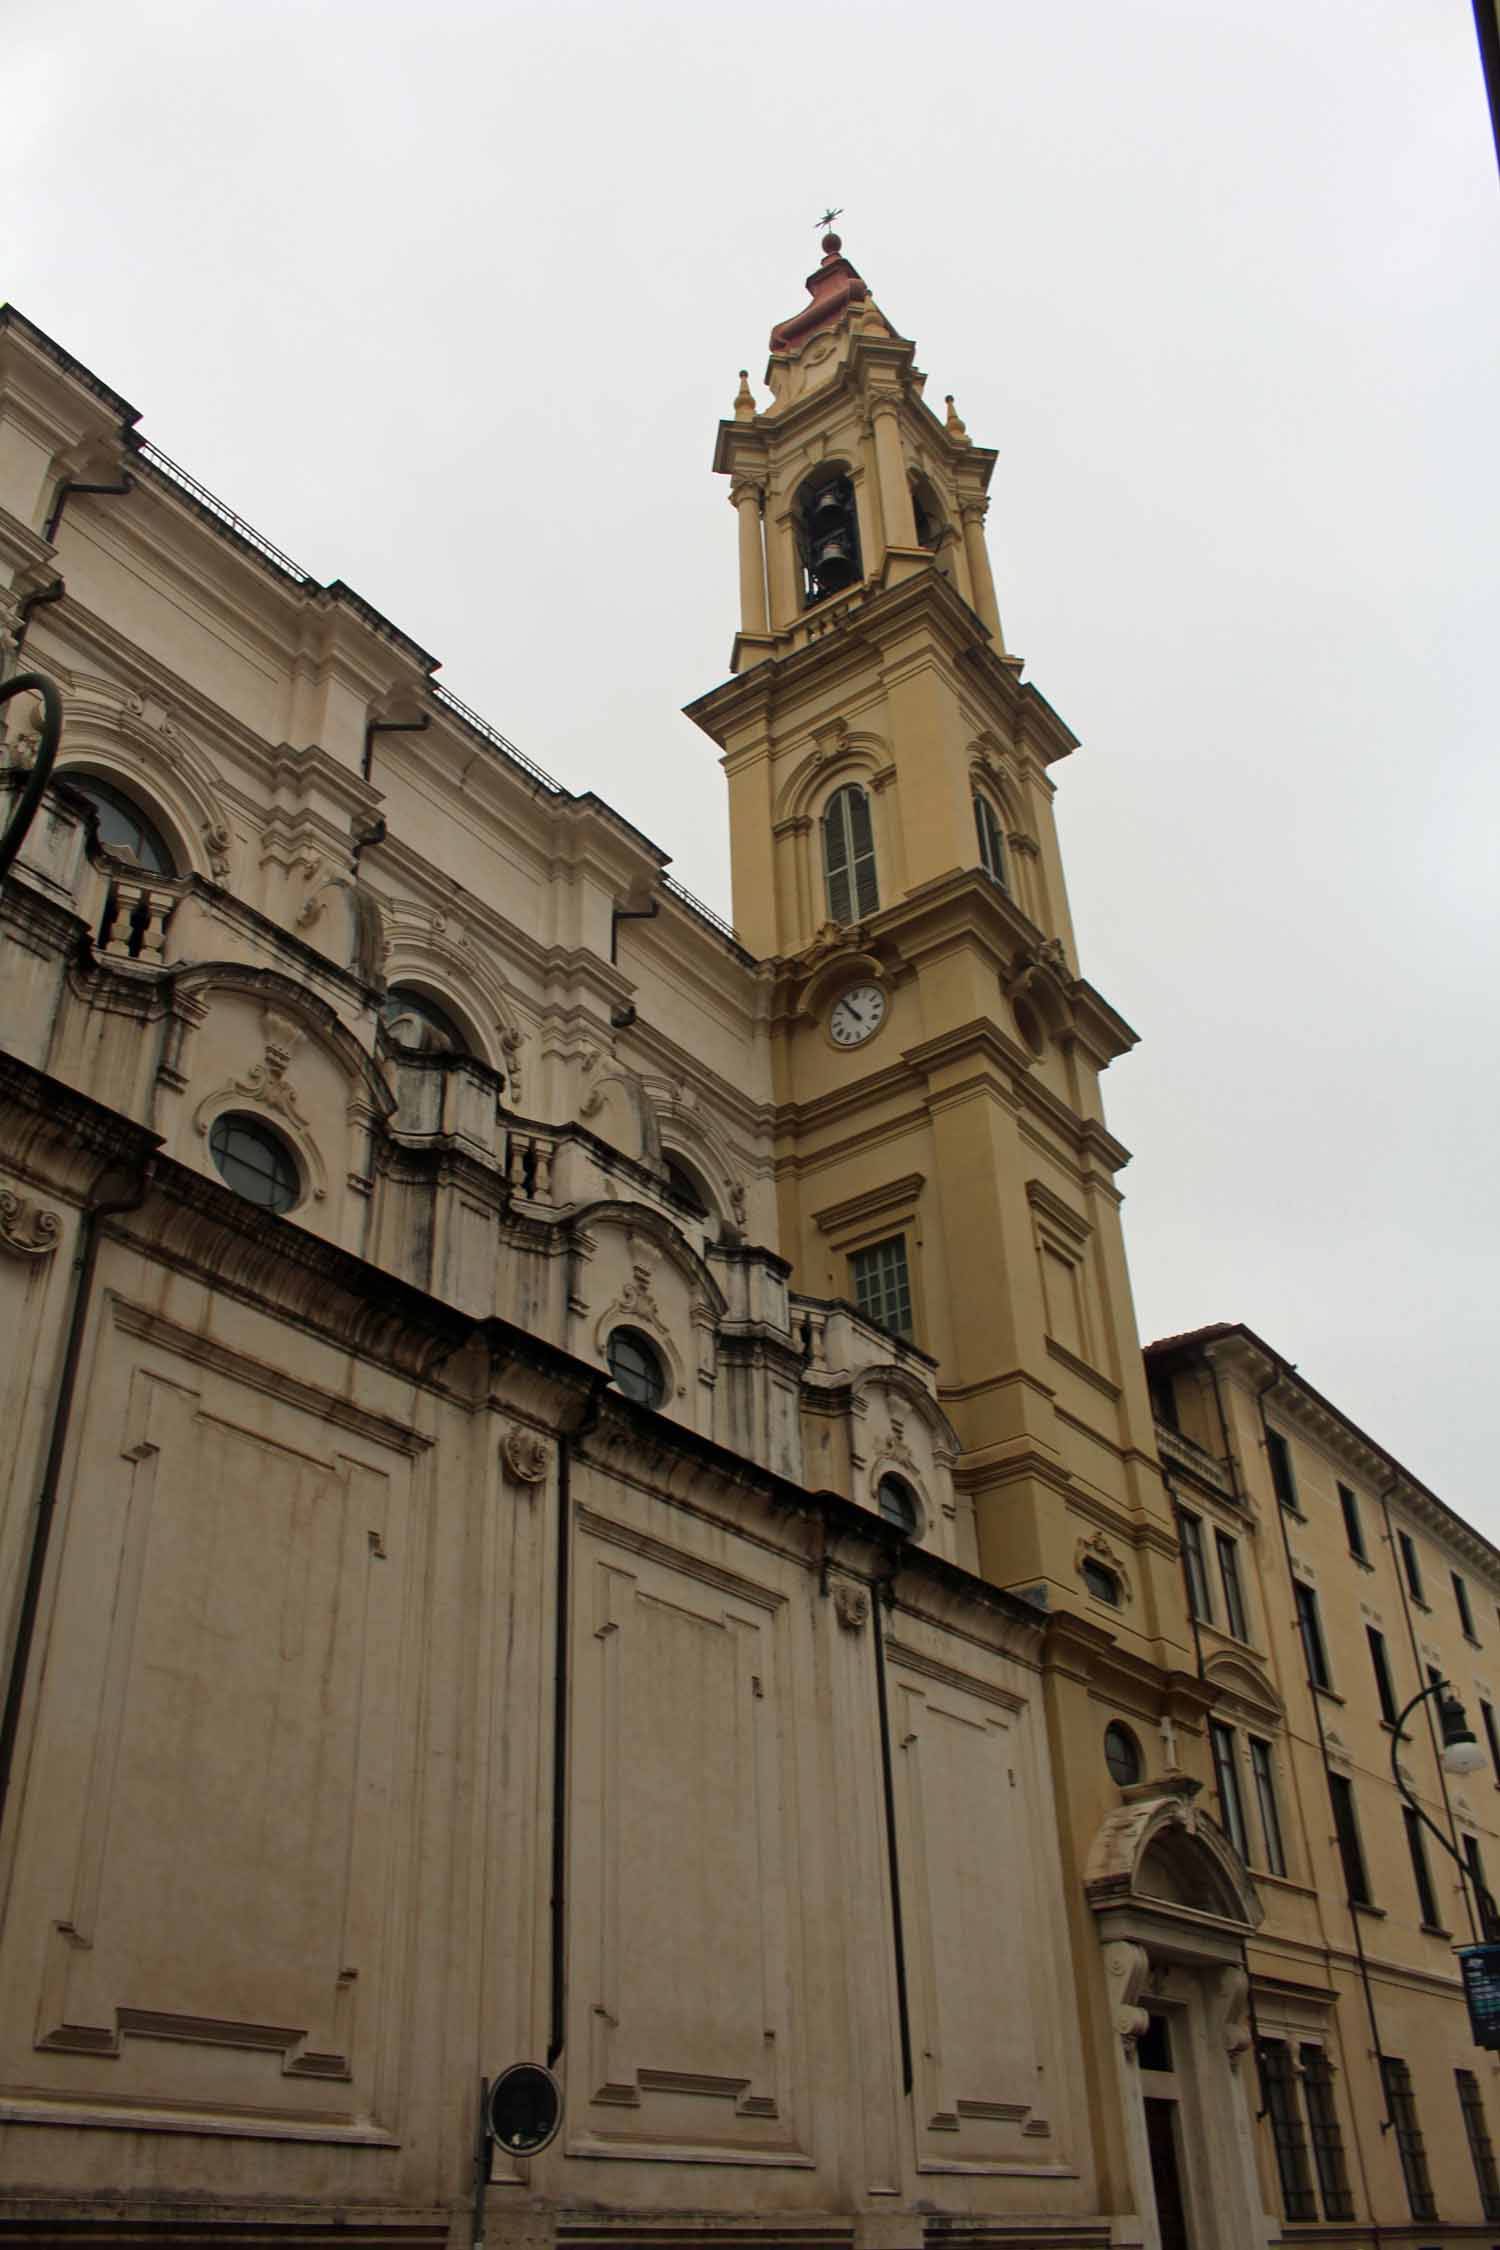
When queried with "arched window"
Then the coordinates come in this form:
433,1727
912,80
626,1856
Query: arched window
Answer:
1122,1754
254,1161
898,1504
420,1025
636,1365
827,527
991,841
687,1187
849,856
123,828
927,512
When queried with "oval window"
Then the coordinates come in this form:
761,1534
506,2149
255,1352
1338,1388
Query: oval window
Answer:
898,1504
254,1161
1122,1754
636,1365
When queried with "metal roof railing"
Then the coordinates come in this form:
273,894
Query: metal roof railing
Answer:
496,739
266,548
695,905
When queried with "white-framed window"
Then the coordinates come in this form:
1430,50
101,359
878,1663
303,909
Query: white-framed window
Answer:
991,840
881,1281
849,874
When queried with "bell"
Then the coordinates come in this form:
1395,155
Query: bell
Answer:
832,560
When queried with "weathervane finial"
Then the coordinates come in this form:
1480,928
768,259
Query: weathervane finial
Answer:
830,215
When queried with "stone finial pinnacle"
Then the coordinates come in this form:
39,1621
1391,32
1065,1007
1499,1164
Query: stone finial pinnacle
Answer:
744,401
956,427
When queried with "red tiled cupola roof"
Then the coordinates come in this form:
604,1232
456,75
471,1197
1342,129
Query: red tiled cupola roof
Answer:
834,287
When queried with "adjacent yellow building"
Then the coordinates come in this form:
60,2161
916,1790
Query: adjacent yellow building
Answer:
582,1489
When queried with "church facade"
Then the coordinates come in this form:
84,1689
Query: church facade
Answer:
581,1486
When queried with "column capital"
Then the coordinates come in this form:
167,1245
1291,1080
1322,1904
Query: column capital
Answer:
747,488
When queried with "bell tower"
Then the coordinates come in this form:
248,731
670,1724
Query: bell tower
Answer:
943,1161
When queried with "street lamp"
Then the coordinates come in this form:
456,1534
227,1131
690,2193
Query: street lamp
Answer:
1460,1755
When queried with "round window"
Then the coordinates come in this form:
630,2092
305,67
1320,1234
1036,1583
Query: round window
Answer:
254,1161
1122,1754
636,1365
898,1504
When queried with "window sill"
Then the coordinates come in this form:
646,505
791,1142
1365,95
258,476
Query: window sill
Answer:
1363,1906
1435,1929
1473,1640
1363,1561
1330,1695
1418,1603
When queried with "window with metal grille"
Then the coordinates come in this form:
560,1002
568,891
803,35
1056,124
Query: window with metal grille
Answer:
1226,1774
1327,2139
1416,1844
1229,1572
1465,1614
1346,1830
1384,1688
991,841
1265,1797
1279,1454
1312,1635
1194,1568
1481,2147
1287,2136
1401,2108
882,1284
1354,1530
849,855
1411,1566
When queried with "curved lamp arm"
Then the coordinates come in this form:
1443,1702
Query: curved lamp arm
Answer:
1489,1913
46,757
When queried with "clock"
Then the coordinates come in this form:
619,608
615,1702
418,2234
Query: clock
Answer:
856,1015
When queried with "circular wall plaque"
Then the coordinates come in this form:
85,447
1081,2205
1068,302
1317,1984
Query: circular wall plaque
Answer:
524,2108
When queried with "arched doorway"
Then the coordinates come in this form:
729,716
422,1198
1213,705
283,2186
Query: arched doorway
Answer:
1174,1906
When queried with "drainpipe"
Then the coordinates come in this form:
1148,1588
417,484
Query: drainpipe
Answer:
85,1259
628,914
883,1595
38,600
69,486
587,1421
389,726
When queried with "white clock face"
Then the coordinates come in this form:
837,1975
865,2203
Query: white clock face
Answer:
857,1016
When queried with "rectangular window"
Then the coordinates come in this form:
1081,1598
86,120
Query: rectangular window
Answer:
1229,1572
1265,1798
1327,2139
1164,1400
1416,1844
882,1284
1226,1773
1486,1712
1411,1566
1384,1689
1346,1829
1482,1906
1465,1614
1194,1568
1354,1530
1312,1635
1402,2109
1280,2089
1283,1483
1481,2147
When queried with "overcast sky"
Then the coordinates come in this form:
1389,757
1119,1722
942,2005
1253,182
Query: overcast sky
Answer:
447,300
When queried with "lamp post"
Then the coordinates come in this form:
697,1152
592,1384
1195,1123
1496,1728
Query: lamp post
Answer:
1460,1755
